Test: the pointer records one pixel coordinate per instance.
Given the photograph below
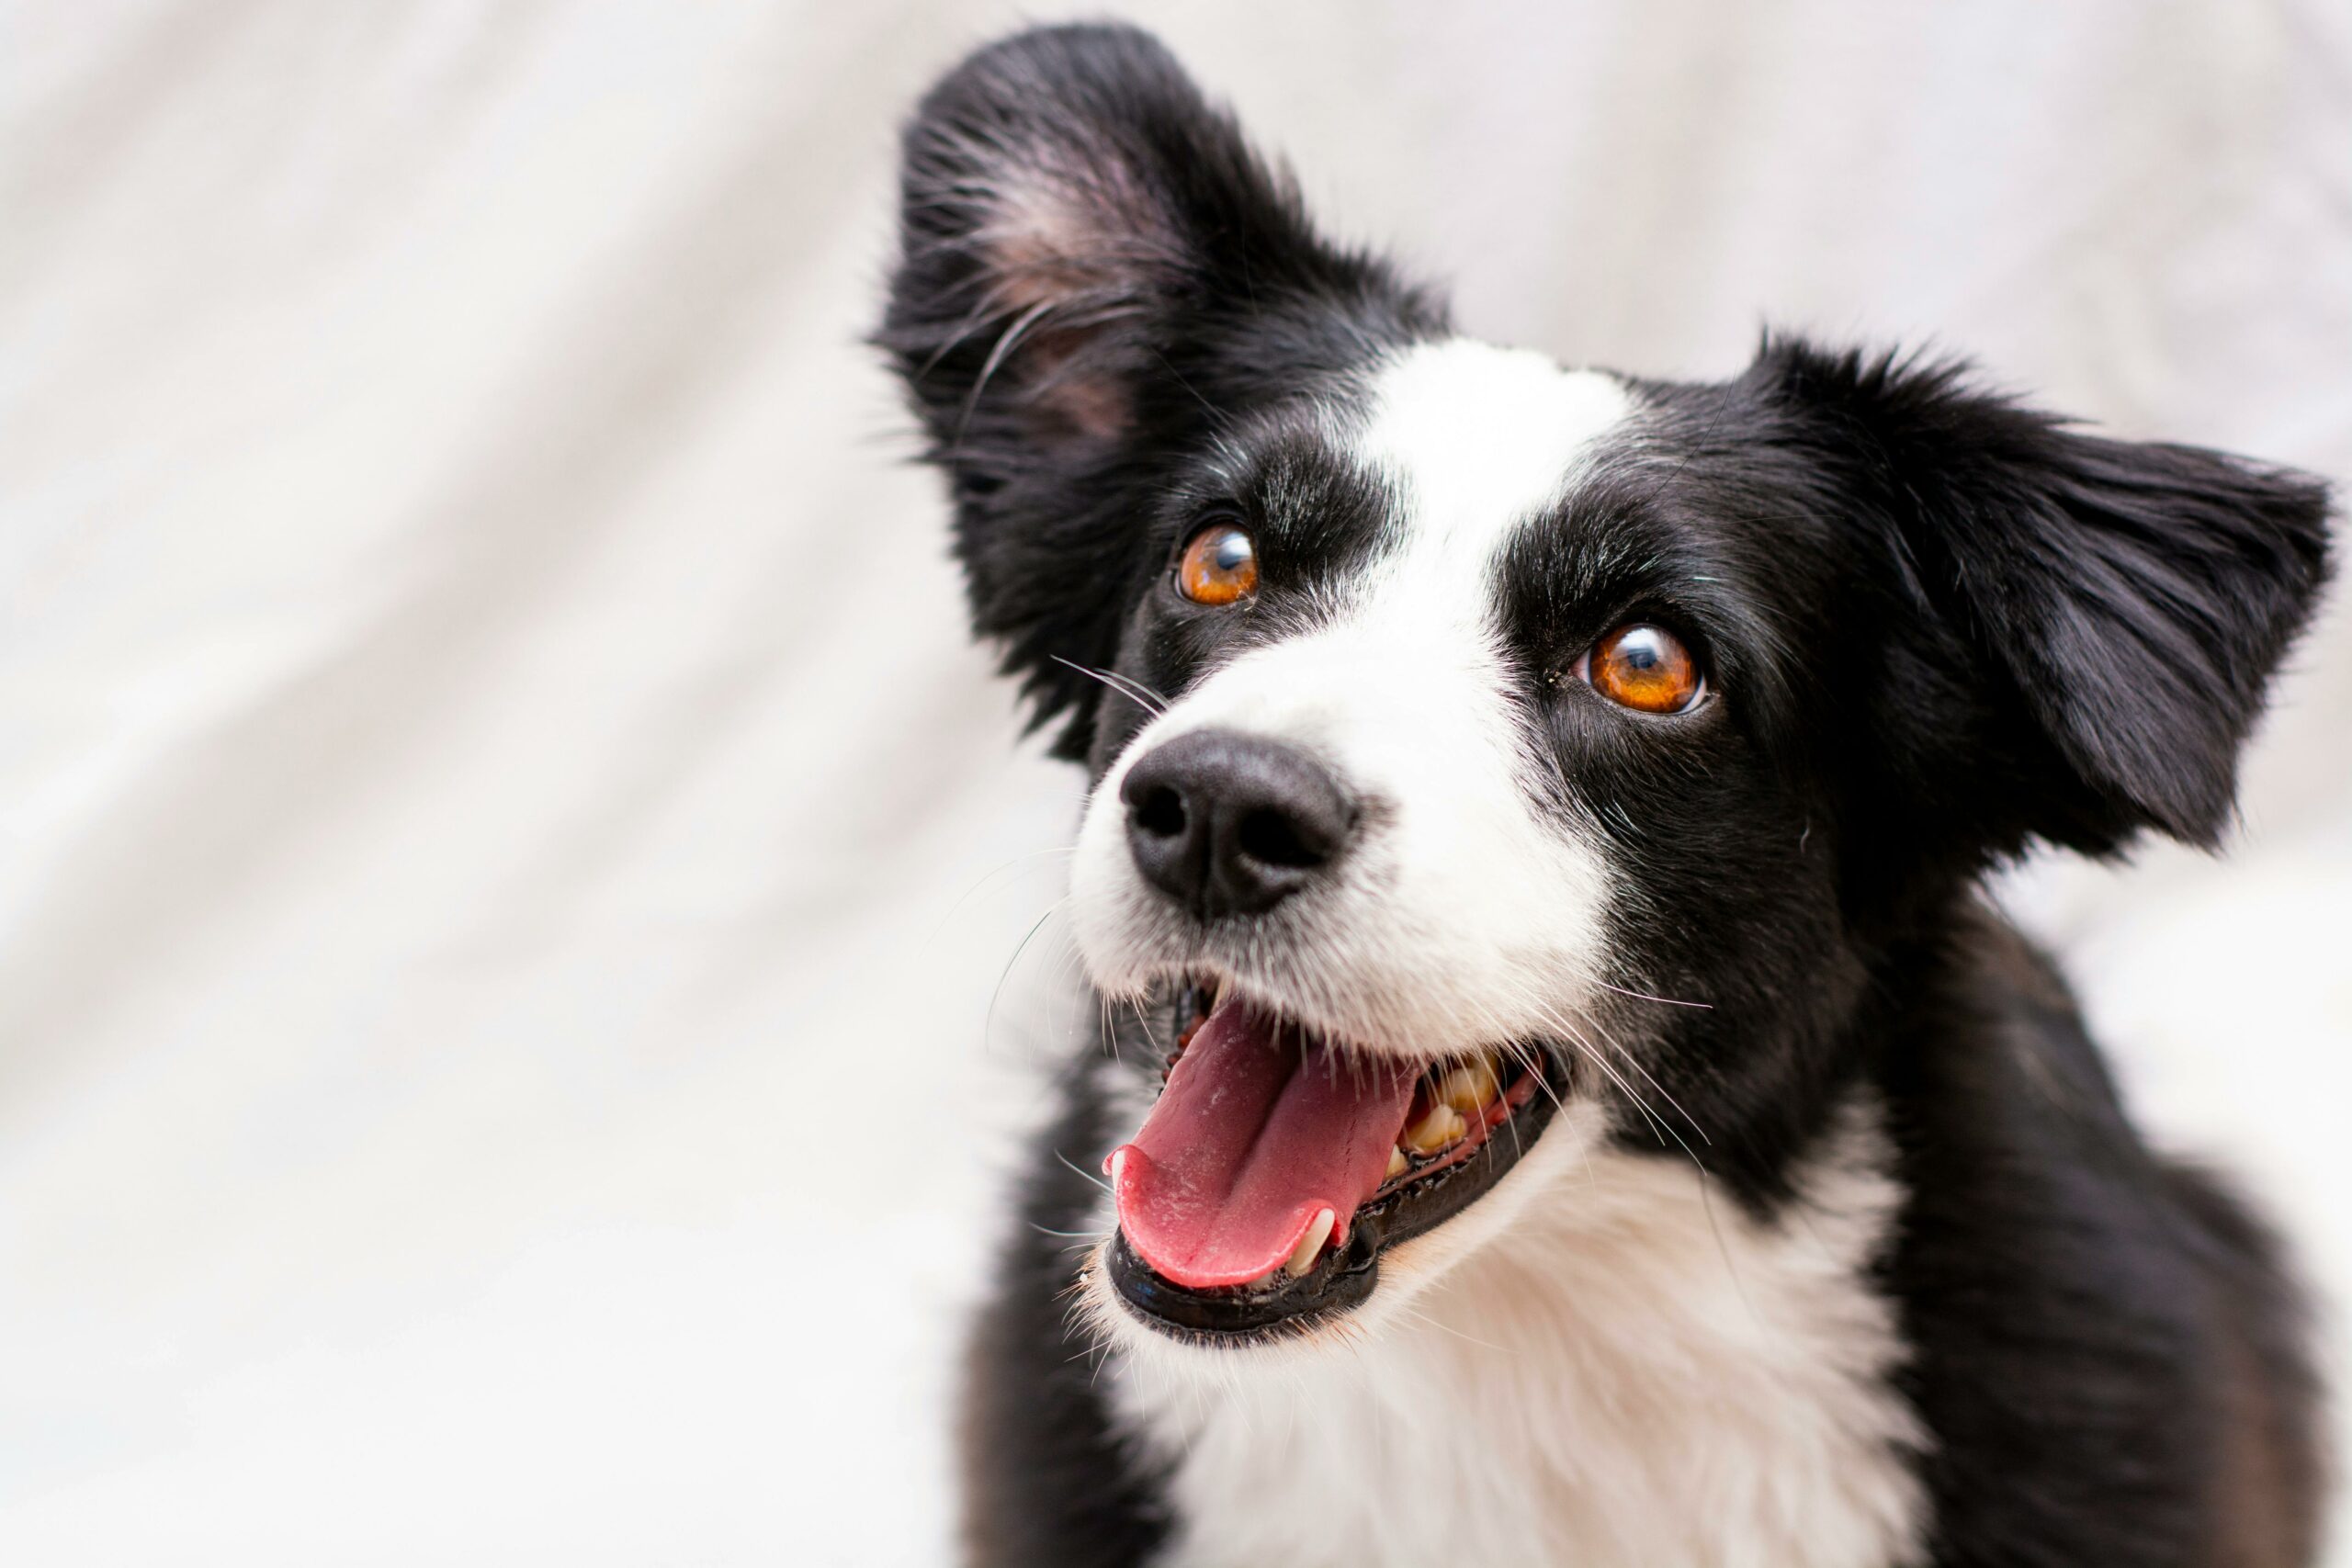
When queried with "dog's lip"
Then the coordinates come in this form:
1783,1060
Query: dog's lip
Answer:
1343,1276
1220,982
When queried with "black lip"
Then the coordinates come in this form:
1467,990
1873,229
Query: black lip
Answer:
1341,1279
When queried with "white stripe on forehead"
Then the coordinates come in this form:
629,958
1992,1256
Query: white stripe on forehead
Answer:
1478,438
1470,911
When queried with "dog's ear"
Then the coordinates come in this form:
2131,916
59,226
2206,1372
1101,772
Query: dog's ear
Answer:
1095,273
2117,608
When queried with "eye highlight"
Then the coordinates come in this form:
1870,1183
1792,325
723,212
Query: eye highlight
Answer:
1220,566
1646,668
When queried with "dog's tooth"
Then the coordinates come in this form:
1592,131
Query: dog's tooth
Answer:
1302,1258
1472,1088
1398,1163
1441,1124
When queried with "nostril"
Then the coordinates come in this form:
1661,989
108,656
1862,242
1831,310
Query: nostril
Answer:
1273,838
1228,824
1159,812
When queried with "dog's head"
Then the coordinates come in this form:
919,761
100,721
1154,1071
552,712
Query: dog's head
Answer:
1473,736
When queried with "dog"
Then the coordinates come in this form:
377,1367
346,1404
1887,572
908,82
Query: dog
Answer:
1563,1096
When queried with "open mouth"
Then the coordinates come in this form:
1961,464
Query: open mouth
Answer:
1274,1168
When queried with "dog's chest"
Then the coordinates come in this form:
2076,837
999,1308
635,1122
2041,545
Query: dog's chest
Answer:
1640,1380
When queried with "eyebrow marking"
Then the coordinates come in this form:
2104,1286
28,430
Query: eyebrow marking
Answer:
1479,437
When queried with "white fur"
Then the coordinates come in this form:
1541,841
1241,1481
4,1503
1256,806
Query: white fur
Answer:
1482,436
1468,916
1593,1364
1639,1376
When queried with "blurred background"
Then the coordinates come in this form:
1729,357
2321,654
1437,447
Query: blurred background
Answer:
525,926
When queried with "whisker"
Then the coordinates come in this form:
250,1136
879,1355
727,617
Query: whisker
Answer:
1414,1314
1635,1063
1705,1177
1136,692
988,1019
1645,997
985,878
1082,1171
1143,1024
1576,1038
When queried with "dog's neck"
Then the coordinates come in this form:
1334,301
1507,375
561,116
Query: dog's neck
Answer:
1558,1394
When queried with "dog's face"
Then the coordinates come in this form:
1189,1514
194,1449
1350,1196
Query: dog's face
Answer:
1371,801
1489,755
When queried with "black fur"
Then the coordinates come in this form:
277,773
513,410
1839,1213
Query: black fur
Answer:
1065,371
1045,1480
2104,1343
1944,626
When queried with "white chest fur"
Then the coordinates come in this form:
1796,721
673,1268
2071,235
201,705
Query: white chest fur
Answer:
1631,1375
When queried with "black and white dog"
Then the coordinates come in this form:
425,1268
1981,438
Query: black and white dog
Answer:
1563,1098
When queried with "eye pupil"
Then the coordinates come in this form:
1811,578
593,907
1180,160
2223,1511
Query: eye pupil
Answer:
1646,668
1220,566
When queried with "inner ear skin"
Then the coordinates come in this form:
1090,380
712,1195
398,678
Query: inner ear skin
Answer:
1097,277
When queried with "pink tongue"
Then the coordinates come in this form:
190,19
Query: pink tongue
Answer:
1252,1139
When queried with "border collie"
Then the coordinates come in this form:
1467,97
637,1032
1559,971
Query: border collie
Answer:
1562,1095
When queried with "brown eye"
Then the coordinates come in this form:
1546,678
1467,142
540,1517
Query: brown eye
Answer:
1220,566
1646,668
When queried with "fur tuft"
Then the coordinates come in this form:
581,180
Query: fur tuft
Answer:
2130,599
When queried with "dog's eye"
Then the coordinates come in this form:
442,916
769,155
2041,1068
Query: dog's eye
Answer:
1645,667
1218,567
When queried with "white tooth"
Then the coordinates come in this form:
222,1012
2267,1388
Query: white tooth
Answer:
1440,1125
1302,1258
1472,1088
1398,1163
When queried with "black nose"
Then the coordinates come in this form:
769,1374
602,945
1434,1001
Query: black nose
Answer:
1231,824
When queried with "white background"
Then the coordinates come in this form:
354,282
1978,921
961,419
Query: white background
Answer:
505,853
